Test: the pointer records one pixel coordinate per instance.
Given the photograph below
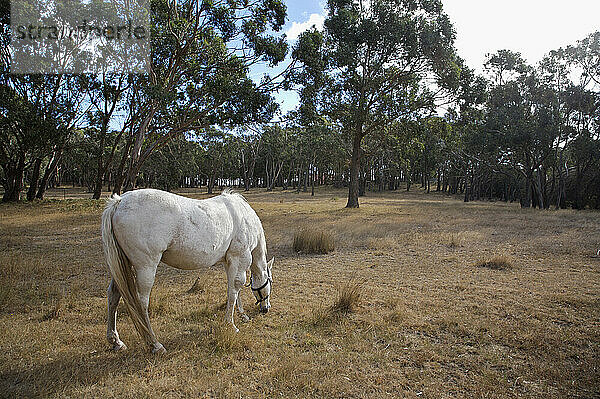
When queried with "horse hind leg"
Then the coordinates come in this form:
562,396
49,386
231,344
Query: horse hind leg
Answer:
145,281
111,332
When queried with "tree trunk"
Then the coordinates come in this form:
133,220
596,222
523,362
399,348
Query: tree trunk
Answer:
120,176
579,202
33,181
539,189
362,182
251,170
312,181
98,182
245,172
561,195
286,183
211,181
13,184
299,177
305,184
526,200
381,182
354,171
48,173
136,160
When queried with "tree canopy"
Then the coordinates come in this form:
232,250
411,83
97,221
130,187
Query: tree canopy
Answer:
385,103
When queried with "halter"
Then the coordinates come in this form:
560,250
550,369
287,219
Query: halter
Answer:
261,298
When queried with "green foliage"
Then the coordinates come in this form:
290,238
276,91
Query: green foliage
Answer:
167,168
36,114
368,67
370,86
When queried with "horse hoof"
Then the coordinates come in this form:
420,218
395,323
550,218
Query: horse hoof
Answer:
158,349
119,346
245,318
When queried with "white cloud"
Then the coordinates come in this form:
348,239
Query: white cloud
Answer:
297,28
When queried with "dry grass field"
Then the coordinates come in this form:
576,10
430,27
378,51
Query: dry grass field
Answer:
424,296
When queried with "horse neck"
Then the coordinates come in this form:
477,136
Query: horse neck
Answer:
259,257
258,272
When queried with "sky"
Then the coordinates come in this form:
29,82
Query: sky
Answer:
531,27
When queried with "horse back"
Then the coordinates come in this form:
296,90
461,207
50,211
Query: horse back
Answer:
187,233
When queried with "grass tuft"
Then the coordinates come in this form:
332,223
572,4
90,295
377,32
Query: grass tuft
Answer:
313,242
223,339
319,316
348,298
500,262
454,241
346,301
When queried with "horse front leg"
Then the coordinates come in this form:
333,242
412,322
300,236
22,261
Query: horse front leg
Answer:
240,307
235,267
233,289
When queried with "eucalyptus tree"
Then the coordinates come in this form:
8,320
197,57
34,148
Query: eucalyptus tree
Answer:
275,146
581,102
520,121
320,147
248,149
198,74
170,167
217,152
37,114
586,56
555,74
376,61
584,153
435,132
20,129
105,94
4,37
382,157
505,65
582,109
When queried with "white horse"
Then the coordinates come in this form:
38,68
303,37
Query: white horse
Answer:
145,227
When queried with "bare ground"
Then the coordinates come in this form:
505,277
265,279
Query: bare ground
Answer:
432,322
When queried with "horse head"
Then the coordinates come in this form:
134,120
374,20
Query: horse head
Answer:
263,292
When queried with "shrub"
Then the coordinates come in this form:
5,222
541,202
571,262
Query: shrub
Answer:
313,242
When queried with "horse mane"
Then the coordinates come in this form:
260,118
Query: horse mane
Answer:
230,191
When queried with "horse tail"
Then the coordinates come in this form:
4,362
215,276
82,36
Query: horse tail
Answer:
122,271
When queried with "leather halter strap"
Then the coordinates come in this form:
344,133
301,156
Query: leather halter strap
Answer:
261,298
